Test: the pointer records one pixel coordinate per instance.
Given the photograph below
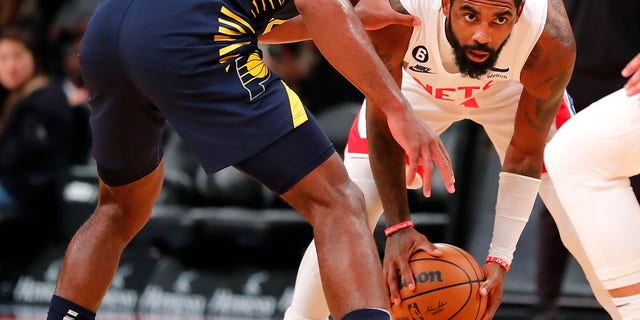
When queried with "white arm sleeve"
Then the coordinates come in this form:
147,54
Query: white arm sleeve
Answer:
516,197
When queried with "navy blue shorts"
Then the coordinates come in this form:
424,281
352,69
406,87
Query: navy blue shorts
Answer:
196,64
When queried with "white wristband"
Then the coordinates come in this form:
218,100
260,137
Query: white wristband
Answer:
516,197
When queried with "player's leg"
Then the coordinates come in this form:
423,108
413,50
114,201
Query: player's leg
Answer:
308,301
93,254
566,231
347,256
570,240
306,171
549,275
126,133
592,157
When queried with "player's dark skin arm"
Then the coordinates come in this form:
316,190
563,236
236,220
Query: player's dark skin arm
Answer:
544,77
378,14
388,166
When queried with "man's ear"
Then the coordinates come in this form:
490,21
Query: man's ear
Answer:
521,8
446,5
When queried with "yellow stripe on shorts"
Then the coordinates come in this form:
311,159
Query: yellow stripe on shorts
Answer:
298,114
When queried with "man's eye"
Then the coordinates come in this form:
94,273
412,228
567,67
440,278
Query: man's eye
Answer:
501,20
470,17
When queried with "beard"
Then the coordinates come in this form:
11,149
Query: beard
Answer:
466,66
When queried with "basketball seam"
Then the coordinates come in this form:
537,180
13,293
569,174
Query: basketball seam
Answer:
471,282
476,276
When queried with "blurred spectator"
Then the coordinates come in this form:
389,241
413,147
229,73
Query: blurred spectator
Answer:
72,82
70,20
22,12
34,15
77,95
603,49
34,134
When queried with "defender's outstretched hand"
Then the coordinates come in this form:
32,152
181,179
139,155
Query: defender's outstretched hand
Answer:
423,147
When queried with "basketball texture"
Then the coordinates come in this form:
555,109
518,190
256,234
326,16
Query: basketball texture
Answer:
446,287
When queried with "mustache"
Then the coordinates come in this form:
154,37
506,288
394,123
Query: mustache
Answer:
479,47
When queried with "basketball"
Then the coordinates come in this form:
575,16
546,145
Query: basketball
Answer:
446,287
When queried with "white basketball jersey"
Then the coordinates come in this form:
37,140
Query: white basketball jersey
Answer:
430,61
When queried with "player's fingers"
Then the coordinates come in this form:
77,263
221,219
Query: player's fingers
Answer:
443,161
632,67
633,84
492,307
392,284
427,176
386,286
429,248
405,20
406,277
489,313
412,169
484,288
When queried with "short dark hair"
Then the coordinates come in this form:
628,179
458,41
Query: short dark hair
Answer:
27,38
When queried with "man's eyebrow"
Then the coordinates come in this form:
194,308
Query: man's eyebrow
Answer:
506,12
466,7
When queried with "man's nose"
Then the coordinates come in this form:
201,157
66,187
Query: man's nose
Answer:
482,36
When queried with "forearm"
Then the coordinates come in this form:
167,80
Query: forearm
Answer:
517,191
388,166
292,30
340,36
515,201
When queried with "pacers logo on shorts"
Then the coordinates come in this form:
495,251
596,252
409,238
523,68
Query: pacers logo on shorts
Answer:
233,30
253,73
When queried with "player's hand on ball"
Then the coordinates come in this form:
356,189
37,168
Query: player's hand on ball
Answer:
492,286
399,247
446,287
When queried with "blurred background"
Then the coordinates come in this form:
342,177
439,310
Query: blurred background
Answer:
222,245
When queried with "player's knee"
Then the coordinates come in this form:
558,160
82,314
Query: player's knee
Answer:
128,207
343,202
353,200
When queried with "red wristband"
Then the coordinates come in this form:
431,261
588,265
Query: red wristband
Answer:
395,228
499,261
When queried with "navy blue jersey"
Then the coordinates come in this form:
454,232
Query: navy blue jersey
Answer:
195,63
